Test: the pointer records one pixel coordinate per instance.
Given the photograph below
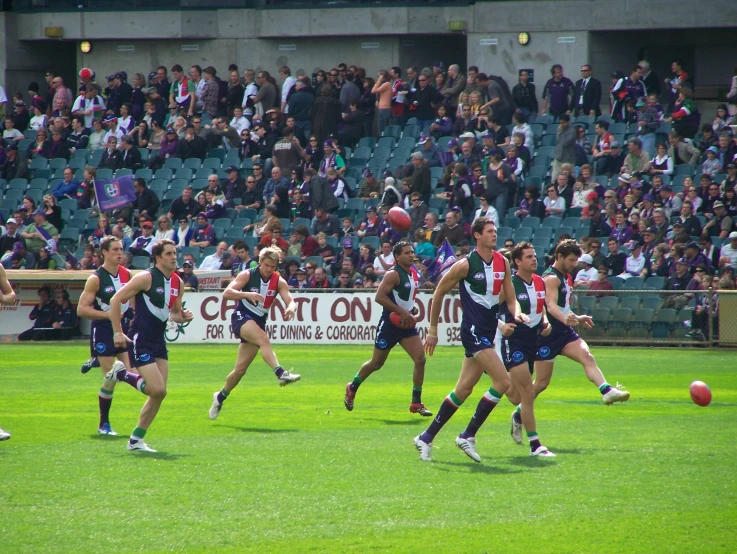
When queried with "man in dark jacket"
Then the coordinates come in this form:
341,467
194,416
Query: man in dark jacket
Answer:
565,145
300,103
321,194
422,101
326,115
131,155
57,147
420,178
15,165
192,146
146,200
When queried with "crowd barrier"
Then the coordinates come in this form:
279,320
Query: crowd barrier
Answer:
621,317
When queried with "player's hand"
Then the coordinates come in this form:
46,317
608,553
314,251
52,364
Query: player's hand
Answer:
546,330
404,317
508,329
289,313
572,319
187,315
522,318
254,297
121,340
430,343
586,320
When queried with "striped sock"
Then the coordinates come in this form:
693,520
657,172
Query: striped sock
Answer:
517,414
105,399
356,383
137,435
487,403
449,406
605,388
135,381
534,440
222,395
278,371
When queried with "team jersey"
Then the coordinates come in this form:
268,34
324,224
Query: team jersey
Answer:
565,289
531,298
154,305
480,289
109,285
405,292
267,289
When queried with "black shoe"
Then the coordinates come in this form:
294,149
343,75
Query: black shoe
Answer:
89,364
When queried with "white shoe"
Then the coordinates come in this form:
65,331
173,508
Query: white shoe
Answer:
469,447
288,378
139,446
4,435
117,372
216,407
516,431
542,452
616,394
105,429
423,448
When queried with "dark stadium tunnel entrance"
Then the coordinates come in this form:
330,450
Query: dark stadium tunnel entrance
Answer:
425,50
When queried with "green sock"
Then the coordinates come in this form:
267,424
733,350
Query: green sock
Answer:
356,383
224,393
416,394
604,388
138,434
518,409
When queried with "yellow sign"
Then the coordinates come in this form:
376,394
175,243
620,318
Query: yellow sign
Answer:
457,25
54,32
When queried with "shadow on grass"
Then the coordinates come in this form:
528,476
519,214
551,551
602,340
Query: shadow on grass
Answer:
566,451
104,438
399,421
161,456
531,461
473,467
259,430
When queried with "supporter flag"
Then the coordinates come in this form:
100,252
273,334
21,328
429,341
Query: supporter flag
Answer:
443,261
71,259
114,193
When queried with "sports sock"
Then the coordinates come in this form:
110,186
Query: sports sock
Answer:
605,388
134,380
534,440
487,403
222,395
137,435
447,409
416,394
356,383
106,400
278,371
517,415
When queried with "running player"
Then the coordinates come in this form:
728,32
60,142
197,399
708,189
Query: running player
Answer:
517,344
563,340
158,292
7,297
482,277
396,293
255,290
94,304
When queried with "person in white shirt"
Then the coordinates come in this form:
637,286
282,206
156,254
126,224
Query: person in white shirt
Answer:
112,130
239,123
588,273
164,230
520,126
385,259
286,74
10,133
195,73
487,210
39,119
635,261
214,261
251,90
89,105
554,204
728,254
3,100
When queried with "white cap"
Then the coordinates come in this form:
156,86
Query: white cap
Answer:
11,220
468,135
586,259
733,235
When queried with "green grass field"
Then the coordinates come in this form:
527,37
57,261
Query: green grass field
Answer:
290,470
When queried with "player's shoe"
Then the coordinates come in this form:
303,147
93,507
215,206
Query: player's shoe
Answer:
117,373
542,452
89,364
469,447
4,435
516,430
105,429
350,396
139,446
423,448
216,407
616,394
288,378
419,408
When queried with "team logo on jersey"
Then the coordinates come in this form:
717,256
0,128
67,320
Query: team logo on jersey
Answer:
522,297
110,289
254,289
159,290
100,347
517,356
270,293
485,341
479,276
407,285
498,275
175,292
540,295
381,343
544,352
144,357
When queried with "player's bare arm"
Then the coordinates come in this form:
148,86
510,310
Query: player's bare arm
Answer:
85,307
7,294
286,296
509,296
139,283
234,292
551,302
457,272
178,314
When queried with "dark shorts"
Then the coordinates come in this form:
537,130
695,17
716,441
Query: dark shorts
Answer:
549,347
475,339
101,340
146,350
389,335
240,317
518,349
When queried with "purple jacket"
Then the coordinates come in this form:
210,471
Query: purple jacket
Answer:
168,149
622,235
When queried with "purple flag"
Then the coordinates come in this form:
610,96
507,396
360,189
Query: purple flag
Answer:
114,193
443,261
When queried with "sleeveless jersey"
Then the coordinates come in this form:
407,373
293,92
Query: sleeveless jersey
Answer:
565,289
267,289
154,305
404,294
531,298
109,285
480,289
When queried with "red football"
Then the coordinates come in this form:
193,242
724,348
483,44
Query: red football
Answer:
700,393
399,219
395,319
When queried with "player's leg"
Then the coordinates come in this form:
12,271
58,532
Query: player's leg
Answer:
414,348
253,334
246,354
155,376
578,351
377,361
543,375
521,382
4,435
105,397
471,372
89,364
